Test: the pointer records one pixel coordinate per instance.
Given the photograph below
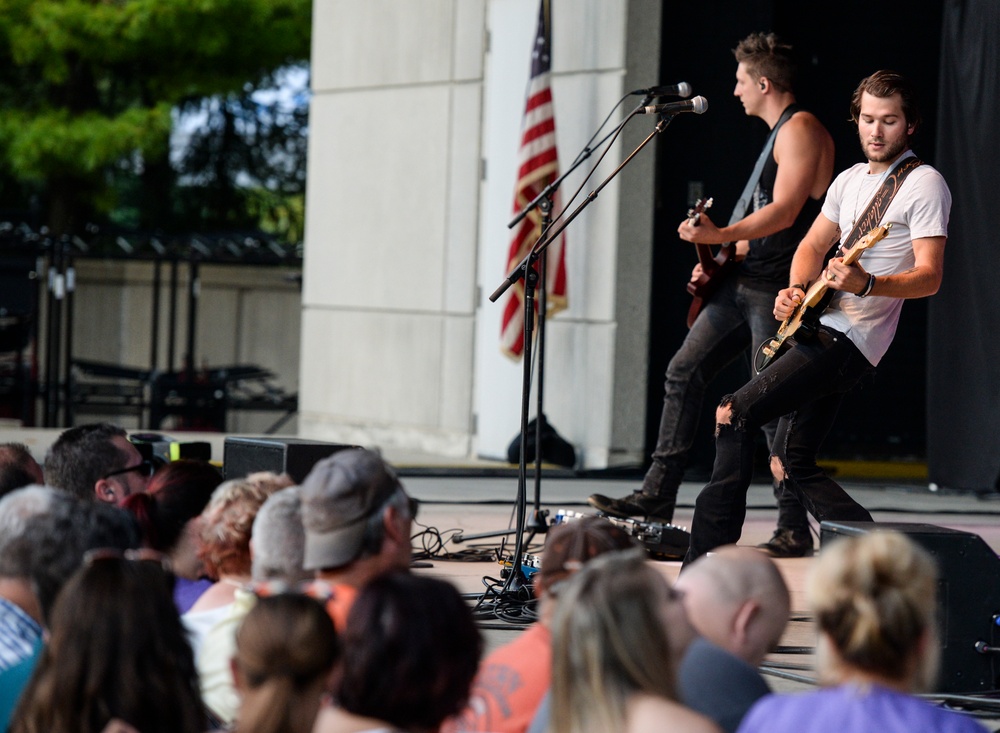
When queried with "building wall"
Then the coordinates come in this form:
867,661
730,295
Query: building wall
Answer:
245,315
414,127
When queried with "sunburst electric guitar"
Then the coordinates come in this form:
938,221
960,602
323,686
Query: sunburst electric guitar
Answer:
817,297
714,265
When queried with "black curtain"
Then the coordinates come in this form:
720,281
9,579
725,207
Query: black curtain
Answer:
963,395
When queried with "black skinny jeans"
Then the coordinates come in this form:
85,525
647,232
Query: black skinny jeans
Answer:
804,387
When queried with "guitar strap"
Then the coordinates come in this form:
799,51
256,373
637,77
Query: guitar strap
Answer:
880,201
740,210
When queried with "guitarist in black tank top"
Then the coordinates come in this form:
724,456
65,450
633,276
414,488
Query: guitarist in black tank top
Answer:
781,199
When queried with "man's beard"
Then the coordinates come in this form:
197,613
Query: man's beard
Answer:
887,153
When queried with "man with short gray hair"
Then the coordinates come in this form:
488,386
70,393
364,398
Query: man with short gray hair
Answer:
277,541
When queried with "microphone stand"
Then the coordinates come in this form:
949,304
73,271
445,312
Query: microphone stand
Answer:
516,580
544,203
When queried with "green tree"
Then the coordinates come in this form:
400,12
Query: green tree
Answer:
88,89
243,164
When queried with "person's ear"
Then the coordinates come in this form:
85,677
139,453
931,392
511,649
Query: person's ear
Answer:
763,84
394,529
744,618
105,490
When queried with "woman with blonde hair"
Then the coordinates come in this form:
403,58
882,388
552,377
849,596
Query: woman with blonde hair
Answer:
874,598
286,649
614,662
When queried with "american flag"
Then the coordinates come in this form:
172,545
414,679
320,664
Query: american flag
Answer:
539,166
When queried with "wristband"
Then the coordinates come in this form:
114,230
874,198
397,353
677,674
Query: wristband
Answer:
800,286
867,289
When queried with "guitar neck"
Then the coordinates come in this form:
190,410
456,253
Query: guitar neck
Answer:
708,258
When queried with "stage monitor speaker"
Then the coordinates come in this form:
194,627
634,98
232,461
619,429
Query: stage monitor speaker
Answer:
968,599
294,456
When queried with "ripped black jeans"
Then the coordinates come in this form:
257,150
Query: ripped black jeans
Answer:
804,387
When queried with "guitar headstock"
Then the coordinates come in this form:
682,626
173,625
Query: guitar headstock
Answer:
694,213
878,233
875,235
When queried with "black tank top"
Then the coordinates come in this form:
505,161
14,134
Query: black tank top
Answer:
769,259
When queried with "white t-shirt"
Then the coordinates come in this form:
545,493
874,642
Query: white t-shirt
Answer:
919,209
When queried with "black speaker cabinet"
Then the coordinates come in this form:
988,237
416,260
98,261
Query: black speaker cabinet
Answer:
296,457
968,599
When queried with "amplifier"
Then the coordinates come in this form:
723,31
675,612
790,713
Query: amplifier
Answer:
294,456
968,599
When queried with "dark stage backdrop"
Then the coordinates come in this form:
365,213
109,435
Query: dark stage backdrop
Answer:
887,418
963,398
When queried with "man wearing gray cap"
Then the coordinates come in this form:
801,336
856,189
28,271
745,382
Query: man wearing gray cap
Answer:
357,519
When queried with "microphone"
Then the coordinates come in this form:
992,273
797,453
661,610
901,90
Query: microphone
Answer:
670,90
698,105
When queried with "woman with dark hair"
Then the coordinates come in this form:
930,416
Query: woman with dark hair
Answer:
286,648
411,649
168,514
116,652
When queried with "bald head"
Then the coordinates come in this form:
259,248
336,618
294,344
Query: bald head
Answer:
737,599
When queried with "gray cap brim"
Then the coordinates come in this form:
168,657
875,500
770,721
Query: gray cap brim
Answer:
334,548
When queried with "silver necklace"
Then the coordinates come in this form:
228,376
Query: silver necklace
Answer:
864,185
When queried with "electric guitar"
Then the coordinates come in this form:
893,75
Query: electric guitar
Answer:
714,266
818,296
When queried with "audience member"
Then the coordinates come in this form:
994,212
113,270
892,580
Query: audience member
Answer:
116,650
169,513
276,546
739,604
18,468
614,653
357,519
226,524
286,648
513,679
874,599
46,533
277,542
736,606
411,649
20,612
97,461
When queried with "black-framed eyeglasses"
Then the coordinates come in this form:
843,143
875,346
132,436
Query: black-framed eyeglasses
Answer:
146,468
414,505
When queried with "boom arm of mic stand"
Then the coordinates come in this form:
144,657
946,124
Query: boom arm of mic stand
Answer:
518,272
548,190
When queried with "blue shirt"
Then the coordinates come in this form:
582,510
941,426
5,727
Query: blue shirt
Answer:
19,633
869,709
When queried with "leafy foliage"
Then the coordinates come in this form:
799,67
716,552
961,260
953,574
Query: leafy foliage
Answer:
89,89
